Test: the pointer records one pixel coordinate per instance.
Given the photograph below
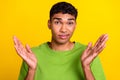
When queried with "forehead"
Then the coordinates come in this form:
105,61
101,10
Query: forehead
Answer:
61,16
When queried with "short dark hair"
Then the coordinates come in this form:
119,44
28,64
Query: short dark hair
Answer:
63,7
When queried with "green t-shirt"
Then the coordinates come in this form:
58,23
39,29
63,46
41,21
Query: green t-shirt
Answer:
61,65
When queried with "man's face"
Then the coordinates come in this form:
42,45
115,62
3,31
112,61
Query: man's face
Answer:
62,27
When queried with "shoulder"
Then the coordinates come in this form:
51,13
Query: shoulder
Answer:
80,45
79,48
40,47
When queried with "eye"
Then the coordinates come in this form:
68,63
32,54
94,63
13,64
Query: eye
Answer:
57,22
70,23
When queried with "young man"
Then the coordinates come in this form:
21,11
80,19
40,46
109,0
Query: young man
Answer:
61,59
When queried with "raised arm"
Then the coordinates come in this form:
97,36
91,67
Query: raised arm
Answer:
90,54
28,56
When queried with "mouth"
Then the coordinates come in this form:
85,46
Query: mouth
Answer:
63,36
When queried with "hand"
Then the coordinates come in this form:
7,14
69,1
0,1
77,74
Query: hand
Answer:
91,53
25,53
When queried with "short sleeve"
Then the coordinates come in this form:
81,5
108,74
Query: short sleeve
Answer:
97,69
23,71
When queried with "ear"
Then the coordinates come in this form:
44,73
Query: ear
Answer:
49,24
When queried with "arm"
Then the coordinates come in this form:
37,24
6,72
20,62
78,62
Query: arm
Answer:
30,74
90,54
28,56
97,69
88,73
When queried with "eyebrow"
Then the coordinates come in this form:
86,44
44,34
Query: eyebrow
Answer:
61,18
57,18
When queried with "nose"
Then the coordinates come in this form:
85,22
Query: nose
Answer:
63,28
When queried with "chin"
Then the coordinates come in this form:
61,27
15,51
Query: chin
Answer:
62,41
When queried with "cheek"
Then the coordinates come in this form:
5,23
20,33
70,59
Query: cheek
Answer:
72,29
54,31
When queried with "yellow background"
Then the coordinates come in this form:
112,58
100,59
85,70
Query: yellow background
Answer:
27,19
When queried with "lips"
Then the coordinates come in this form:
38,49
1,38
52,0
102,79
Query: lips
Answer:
63,36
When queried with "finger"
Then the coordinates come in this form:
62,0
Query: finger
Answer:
90,49
22,54
21,48
105,36
103,39
28,48
17,42
101,49
102,43
87,50
17,50
89,46
18,46
95,53
85,53
99,39
14,39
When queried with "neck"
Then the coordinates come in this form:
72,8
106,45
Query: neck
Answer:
61,47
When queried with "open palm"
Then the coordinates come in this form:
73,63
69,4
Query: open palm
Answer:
91,52
25,53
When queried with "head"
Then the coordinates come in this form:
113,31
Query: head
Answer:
64,8
62,22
